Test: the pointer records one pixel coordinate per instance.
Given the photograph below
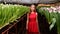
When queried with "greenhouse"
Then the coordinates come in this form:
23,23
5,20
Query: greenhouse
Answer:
29,16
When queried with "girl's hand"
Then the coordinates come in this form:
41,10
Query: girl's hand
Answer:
27,27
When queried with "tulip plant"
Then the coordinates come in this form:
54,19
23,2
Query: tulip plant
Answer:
52,15
9,13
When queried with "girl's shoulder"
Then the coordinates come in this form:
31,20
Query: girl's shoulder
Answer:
36,13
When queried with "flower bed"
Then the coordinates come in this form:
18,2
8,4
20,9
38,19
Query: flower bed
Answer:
9,13
52,15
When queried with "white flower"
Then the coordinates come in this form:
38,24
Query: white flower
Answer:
51,7
54,9
50,10
59,6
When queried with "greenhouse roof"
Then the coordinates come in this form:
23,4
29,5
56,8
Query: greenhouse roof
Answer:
30,1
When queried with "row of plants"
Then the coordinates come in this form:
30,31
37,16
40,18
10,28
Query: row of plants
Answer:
52,15
9,13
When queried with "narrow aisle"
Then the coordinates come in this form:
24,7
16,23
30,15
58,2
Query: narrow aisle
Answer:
43,26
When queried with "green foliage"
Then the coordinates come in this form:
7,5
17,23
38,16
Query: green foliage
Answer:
44,12
58,23
52,18
9,13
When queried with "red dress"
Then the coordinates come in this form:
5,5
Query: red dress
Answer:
32,25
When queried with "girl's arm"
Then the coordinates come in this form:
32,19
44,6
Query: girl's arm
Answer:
37,22
27,21
36,17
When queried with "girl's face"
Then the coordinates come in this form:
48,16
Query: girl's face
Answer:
32,7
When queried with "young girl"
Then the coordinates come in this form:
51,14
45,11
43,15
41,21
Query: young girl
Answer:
32,21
